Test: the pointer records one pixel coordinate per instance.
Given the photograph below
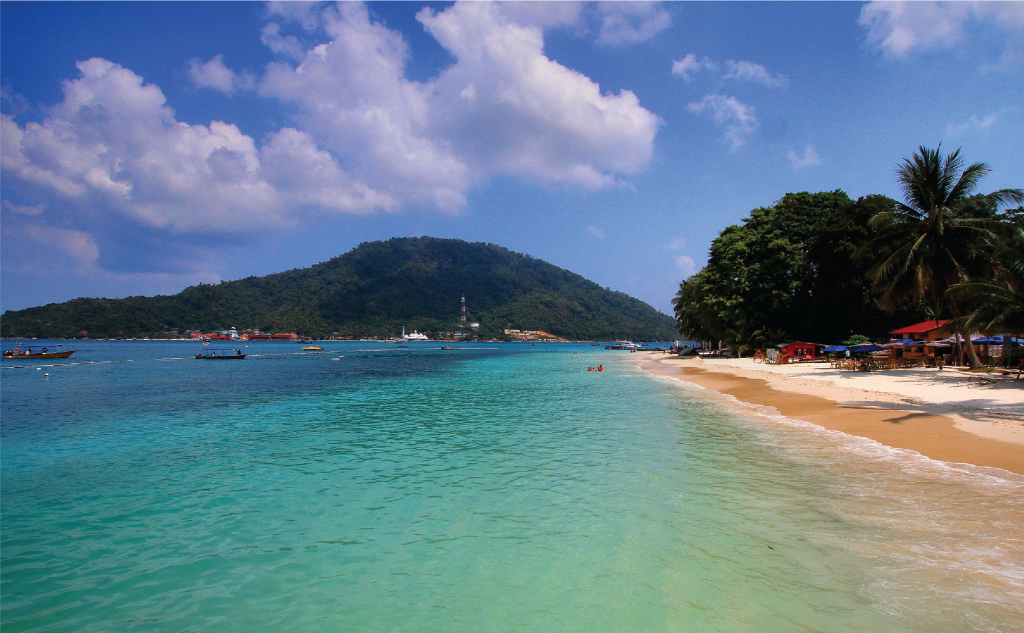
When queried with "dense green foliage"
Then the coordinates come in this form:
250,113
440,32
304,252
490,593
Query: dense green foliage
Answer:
373,290
820,267
788,272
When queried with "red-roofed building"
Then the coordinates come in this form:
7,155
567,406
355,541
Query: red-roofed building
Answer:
800,350
924,331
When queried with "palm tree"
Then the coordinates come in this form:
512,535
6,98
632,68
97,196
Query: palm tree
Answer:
942,236
998,303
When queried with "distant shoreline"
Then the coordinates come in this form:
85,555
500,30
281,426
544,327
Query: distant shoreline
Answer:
945,427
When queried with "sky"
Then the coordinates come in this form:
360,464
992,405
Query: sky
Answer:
146,147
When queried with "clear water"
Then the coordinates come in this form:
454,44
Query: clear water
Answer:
489,488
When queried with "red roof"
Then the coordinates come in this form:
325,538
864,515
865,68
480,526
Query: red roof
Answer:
921,328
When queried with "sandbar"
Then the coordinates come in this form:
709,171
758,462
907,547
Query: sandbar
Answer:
938,414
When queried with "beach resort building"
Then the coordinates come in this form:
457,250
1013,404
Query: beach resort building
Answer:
924,331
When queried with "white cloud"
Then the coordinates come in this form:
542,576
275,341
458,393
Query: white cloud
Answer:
214,74
596,232
749,71
289,45
544,14
625,23
78,245
531,116
899,28
365,138
353,97
503,107
736,117
689,65
686,264
113,141
675,244
976,125
808,159
35,209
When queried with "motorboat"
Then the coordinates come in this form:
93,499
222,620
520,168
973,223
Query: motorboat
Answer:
220,353
312,348
629,345
38,351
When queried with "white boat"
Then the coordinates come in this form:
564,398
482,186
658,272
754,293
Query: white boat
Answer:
625,345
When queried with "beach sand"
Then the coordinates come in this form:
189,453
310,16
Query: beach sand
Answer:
936,413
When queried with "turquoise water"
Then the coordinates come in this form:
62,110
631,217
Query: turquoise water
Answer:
490,488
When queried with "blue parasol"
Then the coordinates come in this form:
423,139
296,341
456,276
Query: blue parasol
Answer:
835,348
870,347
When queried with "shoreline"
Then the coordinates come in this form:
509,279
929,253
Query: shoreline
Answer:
951,426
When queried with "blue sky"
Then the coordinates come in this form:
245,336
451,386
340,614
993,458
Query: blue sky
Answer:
150,146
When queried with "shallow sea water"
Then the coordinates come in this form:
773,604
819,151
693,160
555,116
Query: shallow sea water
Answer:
490,488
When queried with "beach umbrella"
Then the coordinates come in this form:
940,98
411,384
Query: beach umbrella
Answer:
907,341
835,348
994,340
870,347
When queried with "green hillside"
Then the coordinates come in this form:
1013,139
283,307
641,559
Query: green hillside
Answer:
373,290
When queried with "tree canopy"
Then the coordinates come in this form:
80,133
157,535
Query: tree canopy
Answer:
786,272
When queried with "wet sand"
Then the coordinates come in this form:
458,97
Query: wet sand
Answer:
934,429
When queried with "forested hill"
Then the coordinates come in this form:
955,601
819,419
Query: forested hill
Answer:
373,290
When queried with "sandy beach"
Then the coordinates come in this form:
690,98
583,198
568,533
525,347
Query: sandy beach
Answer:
939,414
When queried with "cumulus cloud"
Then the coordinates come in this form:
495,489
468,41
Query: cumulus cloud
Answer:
214,74
545,14
809,158
899,28
689,65
686,264
736,117
502,107
749,71
364,137
112,155
509,109
626,23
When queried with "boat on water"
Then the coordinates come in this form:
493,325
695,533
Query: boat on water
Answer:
38,351
220,353
629,345
447,347
312,348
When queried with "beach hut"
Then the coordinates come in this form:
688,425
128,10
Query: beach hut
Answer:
924,331
800,351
